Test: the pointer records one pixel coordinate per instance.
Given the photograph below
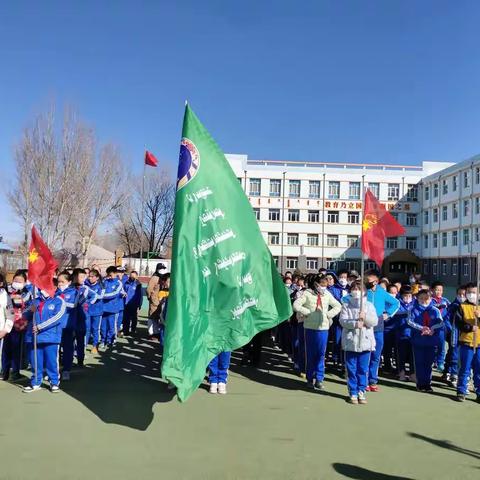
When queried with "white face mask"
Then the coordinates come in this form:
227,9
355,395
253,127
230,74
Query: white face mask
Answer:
424,305
461,298
356,294
394,295
472,298
321,289
18,286
63,288
343,282
45,294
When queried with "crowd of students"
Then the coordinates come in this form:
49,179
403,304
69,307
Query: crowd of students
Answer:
43,330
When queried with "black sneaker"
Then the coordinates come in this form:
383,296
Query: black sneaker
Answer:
310,385
318,385
460,397
429,389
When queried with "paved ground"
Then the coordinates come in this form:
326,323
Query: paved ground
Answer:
116,420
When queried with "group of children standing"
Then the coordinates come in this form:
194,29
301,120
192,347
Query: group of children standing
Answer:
86,308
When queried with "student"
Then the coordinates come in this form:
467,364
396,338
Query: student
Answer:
318,307
112,305
48,313
218,375
95,310
122,276
443,305
426,322
69,294
6,325
386,306
133,303
451,360
467,320
403,334
163,295
299,337
389,336
357,318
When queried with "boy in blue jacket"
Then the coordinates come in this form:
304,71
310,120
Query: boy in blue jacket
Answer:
386,307
48,313
443,305
426,323
95,309
112,305
123,277
403,334
133,303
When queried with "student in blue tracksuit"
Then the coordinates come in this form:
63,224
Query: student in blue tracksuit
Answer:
112,305
218,375
69,322
403,334
386,306
426,323
389,335
443,305
95,309
123,277
48,313
133,303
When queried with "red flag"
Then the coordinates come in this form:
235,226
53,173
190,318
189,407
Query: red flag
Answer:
41,264
150,159
376,226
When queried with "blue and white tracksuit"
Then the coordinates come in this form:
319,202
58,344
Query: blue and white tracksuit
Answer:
444,306
383,303
451,359
95,311
403,336
69,323
425,346
48,317
133,302
112,305
84,300
339,292
219,368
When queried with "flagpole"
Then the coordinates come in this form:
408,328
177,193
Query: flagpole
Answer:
362,263
34,327
476,317
142,218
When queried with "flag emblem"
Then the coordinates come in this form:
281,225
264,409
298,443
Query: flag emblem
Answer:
33,255
369,221
189,162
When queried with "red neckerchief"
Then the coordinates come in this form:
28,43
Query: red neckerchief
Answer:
40,307
426,319
319,301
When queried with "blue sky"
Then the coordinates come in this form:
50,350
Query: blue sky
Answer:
392,81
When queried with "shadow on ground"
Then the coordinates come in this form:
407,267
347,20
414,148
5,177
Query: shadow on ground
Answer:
445,444
359,473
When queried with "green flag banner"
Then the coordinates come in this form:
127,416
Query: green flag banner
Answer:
225,287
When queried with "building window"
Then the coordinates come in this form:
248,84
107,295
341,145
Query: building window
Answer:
411,243
255,187
435,215
332,240
444,239
425,241
352,240
351,265
333,190
434,268
392,243
411,219
477,205
477,175
455,210
427,192
477,234
354,190
294,188
274,214
435,240
275,188
454,267
369,265
444,213
454,183
332,216
292,263
412,193
374,188
313,216
454,238
273,238
354,217
314,189
466,208
275,261
466,268
292,239
444,187
444,267
332,264
256,212
466,182
312,264
425,267
425,217
435,190
294,215
393,191
312,240
466,236
394,215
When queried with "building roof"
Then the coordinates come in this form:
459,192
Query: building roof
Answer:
5,248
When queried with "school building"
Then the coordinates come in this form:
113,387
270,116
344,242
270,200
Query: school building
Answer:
310,213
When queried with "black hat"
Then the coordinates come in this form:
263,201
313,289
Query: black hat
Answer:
160,266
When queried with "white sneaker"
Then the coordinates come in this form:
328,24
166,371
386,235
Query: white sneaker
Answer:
54,388
222,388
30,389
213,388
65,375
46,378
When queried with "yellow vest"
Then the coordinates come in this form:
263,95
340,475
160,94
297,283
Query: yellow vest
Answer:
468,314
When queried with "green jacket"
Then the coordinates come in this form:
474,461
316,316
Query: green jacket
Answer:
317,319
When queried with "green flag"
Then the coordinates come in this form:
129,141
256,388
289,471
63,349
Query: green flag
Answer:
225,287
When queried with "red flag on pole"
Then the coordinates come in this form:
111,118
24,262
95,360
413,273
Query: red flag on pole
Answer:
41,264
377,224
150,159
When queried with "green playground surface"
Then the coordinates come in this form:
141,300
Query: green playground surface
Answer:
115,419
